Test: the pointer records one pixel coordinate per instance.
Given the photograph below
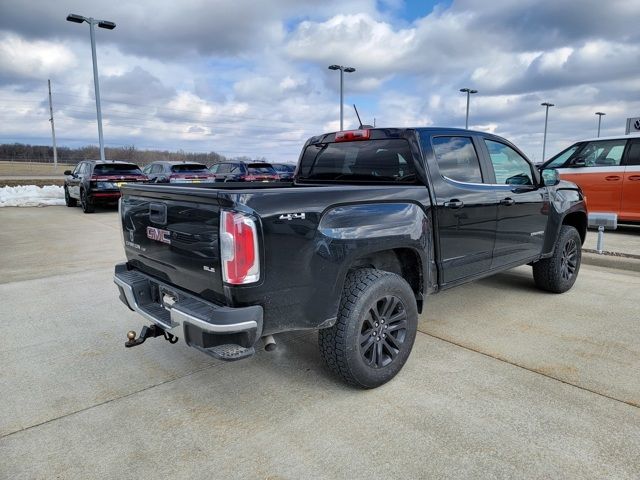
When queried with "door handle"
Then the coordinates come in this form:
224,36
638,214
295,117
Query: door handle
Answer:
612,178
634,178
507,201
454,203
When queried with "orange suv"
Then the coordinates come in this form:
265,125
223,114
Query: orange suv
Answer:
608,171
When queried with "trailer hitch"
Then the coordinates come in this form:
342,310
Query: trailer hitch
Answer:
152,331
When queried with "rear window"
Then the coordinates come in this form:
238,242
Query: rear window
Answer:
189,167
386,161
283,167
260,168
116,169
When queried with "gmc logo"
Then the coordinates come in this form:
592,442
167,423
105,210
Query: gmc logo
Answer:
159,235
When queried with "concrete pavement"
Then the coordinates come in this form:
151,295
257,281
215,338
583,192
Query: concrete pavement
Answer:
524,384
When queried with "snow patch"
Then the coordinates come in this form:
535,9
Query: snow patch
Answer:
31,196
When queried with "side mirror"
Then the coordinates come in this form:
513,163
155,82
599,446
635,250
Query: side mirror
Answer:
550,177
67,172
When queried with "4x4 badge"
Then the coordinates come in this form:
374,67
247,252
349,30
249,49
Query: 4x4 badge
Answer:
291,216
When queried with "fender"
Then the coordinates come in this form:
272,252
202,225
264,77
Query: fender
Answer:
565,199
348,232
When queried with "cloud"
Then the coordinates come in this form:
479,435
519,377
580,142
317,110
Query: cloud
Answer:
251,78
24,59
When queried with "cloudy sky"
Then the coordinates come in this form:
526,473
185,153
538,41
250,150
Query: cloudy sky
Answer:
250,78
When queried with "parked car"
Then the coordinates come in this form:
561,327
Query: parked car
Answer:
244,172
608,171
285,171
178,172
95,182
374,222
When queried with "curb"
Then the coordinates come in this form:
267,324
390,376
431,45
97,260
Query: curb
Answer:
608,260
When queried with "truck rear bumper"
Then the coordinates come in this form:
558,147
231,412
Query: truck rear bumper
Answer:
204,324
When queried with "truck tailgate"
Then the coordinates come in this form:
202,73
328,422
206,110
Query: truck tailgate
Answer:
174,239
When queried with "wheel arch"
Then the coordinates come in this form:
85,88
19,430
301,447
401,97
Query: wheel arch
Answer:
578,220
403,261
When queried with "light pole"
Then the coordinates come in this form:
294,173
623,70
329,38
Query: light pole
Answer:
600,114
468,91
109,26
546,118
342,70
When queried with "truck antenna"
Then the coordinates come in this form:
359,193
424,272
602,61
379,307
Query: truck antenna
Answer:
357,115
360,121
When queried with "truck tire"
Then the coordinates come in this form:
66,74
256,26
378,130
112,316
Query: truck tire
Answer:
558,273
375,329
86,203
70,202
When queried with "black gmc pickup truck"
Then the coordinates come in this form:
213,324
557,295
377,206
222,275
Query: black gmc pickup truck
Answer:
374,222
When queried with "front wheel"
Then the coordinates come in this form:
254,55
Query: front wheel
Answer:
559,272
70,202
375,330
85,202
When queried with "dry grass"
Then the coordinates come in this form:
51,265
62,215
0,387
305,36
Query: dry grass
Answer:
34,181
27,168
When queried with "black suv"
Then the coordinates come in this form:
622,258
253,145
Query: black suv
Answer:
244,172
96,181
178,172
285,171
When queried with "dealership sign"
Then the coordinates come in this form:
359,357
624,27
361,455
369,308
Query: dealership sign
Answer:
633,125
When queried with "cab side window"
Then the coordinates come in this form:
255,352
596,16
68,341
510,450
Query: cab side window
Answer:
605,153
457,159
509,166
560,159
76,171
633,156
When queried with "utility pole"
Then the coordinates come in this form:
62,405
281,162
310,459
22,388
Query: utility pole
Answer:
546,118
342,71
468,91
109,26
599,114
53,130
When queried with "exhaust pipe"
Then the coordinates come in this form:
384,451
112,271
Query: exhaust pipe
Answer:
269,343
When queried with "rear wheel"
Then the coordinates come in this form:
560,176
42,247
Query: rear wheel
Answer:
86,203
559,272
375,330
70,202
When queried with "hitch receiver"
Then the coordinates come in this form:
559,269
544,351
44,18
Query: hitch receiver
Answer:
152,331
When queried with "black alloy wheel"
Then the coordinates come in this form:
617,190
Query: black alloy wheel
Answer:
569,259
383,332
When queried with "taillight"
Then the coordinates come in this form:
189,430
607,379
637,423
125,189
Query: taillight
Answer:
352,135
239,248
249,178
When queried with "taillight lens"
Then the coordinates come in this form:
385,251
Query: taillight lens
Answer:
239,248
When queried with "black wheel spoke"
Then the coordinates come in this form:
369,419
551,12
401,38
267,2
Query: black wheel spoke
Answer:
366,341
400,315
392,351
379,356
393,342
389,306
397,325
